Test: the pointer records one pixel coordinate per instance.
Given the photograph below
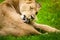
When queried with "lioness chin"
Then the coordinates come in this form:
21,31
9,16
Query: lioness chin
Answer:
17,18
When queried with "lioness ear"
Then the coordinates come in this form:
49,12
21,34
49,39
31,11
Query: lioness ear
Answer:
38,6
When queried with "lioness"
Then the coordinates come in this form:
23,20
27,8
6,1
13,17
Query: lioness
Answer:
17,18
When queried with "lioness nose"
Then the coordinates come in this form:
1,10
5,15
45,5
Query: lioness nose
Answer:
24,17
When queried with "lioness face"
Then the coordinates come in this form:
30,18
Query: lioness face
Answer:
29,11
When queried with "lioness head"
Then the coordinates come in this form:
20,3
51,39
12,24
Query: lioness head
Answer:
28,10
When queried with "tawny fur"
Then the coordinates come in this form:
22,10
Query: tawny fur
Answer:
11,22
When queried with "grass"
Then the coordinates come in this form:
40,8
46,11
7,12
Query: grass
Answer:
50,12
1,1
50,36
50,15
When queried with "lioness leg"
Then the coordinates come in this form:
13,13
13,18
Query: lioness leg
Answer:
28,28
16,32
19,31
45,27
13,31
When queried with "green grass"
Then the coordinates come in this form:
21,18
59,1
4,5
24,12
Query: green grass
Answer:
1,1
50,15
50,36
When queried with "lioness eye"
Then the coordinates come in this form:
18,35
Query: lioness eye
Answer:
31,8
36,13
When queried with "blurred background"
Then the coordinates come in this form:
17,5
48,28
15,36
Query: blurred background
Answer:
48,14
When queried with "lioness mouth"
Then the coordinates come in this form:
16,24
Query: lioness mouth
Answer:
27,20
